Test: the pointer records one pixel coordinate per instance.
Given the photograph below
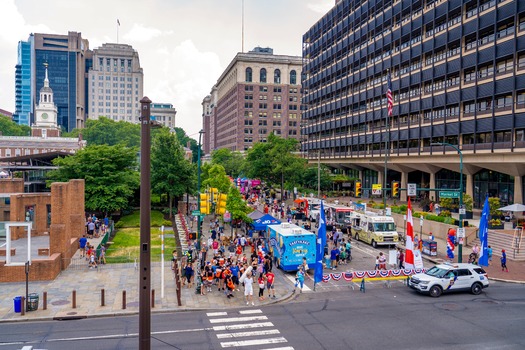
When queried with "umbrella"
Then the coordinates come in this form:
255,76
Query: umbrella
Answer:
513,207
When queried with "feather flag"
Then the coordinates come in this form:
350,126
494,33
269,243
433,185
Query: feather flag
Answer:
321,242
483,234
409,254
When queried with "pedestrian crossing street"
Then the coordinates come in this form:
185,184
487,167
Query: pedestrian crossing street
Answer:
246,329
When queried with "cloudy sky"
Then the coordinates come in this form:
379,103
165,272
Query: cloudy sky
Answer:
184,45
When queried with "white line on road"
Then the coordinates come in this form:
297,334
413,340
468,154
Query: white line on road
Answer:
281,348
239,319
232,327
248,312
233,344
248,334
210,314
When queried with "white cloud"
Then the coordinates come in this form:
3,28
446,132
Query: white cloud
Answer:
140,33
321,6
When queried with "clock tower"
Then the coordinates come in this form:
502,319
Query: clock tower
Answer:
46,113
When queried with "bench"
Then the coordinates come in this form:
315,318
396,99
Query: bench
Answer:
3,252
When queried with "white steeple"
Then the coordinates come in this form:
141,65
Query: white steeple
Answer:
46,110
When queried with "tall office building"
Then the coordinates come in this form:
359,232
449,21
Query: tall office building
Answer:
258,93
23,89
115,83
457,72
163,113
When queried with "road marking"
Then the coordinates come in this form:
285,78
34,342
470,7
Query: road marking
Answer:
281,348
239,319
242,326
253,342
305,287
248,312
210,314
248,334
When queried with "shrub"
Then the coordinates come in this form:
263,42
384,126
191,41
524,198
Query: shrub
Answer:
166,223
119,224
494,222
445,213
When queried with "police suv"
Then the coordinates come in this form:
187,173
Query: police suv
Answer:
450,277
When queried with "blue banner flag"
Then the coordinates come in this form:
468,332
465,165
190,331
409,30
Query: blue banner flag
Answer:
321,243
483,234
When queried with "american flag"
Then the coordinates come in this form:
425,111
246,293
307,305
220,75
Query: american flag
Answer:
389,97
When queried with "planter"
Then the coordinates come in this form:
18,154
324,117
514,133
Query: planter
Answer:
468,215
496,227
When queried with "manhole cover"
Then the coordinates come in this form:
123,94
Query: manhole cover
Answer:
59,302
133,304
450,306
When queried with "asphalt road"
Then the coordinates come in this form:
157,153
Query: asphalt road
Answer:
381,318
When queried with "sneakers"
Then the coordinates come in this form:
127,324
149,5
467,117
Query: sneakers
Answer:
253,303
247,303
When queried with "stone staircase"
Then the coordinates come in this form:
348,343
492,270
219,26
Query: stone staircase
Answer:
503,239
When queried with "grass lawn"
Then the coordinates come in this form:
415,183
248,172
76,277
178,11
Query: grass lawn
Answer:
126,243
133,219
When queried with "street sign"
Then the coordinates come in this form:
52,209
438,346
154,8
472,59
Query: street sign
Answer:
462,211
421,221
195,212
449,194
411,189
376,189
460,232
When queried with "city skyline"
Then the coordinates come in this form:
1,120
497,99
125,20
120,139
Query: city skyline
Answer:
182,57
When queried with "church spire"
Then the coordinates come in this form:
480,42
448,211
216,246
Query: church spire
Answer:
46,79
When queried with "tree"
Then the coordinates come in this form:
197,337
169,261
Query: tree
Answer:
105,131
233,162
218,179
310,174
184,139
237,206
172,174
10,128
109,172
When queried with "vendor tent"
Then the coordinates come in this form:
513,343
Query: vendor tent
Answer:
261,223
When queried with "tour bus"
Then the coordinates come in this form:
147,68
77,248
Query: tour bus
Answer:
374,229
289,243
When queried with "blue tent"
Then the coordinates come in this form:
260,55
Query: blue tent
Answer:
265,220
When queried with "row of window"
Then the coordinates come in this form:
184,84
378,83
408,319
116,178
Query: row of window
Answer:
108,77
115,91
265,131
249,114
276,76
263,122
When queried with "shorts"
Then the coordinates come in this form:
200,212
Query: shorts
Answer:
248,290
270,286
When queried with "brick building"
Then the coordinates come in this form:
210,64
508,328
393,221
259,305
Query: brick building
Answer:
258,93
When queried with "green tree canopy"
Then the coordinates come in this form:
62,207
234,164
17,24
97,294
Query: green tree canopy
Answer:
105,131
233,162
217,178
10,128
237,206
172,174
109,172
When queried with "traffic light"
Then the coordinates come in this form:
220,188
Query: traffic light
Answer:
204,203
214,193
395,189
358,189
220,208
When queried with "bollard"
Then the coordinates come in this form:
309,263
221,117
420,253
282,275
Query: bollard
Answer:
177,283
74,297
362,288
152,298
102,297
44,301
123,299
23,309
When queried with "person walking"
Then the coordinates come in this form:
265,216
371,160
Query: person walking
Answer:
504,261
299,280
82,244
262,284
382,261
248,288
401,259
489,253
270,279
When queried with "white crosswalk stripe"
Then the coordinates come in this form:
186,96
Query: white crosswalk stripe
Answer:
245,330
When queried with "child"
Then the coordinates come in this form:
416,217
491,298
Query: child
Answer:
299,279
377,263
489,253
262,283
504,261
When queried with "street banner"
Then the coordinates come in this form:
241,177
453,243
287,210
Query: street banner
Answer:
321,242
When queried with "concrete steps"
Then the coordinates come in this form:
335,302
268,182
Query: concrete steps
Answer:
499,240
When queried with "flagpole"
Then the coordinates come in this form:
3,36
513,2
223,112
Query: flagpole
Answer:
118,26
242,29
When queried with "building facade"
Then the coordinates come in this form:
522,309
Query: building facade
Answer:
115,83
258,93
457,71
23,83
164,113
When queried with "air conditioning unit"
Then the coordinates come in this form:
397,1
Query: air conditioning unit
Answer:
285,225
297,230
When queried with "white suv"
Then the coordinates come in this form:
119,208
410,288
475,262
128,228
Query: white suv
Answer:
450,277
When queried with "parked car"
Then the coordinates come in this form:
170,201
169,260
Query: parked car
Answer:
450,277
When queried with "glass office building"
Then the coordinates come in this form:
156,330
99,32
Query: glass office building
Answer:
23,90
457,71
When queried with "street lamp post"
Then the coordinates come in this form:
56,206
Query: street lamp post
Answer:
199,190
460,245
145,229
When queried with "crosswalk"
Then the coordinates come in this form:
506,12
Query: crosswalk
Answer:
246,328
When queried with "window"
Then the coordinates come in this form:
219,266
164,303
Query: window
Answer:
293,77
276,89
248,97
262,75
248,105
263,122
277,97
248,88
248,122
277,76
276,123
276,106
248,114
263,88
248,74
263,105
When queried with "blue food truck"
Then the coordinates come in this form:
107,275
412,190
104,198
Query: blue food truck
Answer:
289,243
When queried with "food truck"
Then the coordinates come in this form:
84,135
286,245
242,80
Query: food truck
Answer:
289,243
374,229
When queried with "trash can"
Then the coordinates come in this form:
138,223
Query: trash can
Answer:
32,302
18,304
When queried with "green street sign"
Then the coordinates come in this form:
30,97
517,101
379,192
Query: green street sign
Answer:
196,212
448,194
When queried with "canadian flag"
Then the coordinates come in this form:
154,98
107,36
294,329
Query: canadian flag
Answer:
409,254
